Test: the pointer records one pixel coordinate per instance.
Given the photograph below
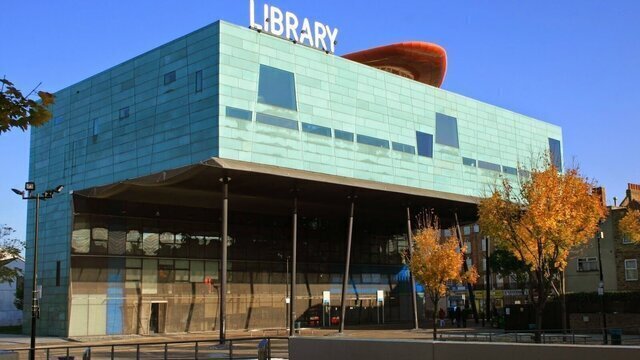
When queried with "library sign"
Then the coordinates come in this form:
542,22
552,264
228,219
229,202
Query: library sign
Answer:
287,25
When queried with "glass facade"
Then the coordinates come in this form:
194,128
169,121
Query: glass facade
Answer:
425,144
555,151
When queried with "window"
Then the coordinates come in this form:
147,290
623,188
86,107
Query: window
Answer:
239,113
99,240
372,141
425,144
316,129
134,243
124,113
127,84
499,280
484,264
488,166
524,173
197,271
631,270
182,271
343,135
484,242
95,127
57,273
276,121
467,247
403,148
468,162
199,81
555,152
509,170
466,230
165,271
626,239
133,272
169,77
277,87
587,264
446,130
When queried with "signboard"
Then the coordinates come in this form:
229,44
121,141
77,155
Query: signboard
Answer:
287,300
287,25
326,297
380,296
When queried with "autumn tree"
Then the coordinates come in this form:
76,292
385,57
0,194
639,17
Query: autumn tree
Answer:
18,111
437,260
540,219
629,225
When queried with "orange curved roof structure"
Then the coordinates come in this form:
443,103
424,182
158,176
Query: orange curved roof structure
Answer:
417,60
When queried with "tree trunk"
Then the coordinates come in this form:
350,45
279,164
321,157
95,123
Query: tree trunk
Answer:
563,303
435,318
538,332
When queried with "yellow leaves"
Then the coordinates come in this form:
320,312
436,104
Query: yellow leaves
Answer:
19,111
436,260
629,225
47,98
539,222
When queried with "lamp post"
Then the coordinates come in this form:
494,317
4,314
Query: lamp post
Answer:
600,236
487,277
30,194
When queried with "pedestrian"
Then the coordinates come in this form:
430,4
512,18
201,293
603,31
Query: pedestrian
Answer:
441,316
458,316
452,315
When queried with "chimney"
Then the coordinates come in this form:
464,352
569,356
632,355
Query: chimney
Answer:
600,192
633,196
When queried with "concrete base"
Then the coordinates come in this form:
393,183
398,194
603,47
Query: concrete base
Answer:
342,348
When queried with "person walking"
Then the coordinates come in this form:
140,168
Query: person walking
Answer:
441,316
458,316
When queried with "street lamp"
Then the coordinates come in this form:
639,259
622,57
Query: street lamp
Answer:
29,194
600,236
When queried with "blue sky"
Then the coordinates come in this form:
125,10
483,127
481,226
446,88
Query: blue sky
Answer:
574,63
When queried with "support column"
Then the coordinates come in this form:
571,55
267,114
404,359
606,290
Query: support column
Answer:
345,280
412,280
294,265
223,257
472,297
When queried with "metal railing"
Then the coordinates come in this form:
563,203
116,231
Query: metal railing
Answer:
549,336
263,348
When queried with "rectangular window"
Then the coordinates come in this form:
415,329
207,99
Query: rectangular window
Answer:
466,230
277,87
316,129
403,148
509,170
488,166
587,264
626,239
198,81
165,271
631,269
182,271
57,273
555,152
476,228
169,77
446,130
239,113
124,113
133,272
95,127
343,135
484,264
372,141
468,162
484,242
425,144
276,121
197,271
467,247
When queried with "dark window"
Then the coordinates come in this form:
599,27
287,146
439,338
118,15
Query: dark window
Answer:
124,113
370,140
509,170
276,121
343,135
316,129
468,161
489,166
169,77
403,147
57,273
446,130
425,144
95,128
239,113
277,87
556,153
199,81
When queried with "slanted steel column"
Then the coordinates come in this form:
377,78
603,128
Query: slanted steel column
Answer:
294,264
412,280
345,279
223,257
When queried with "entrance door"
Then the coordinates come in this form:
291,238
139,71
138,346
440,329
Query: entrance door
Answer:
156,319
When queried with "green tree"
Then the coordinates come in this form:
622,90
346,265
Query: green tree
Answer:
18,111
10,249
506,264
